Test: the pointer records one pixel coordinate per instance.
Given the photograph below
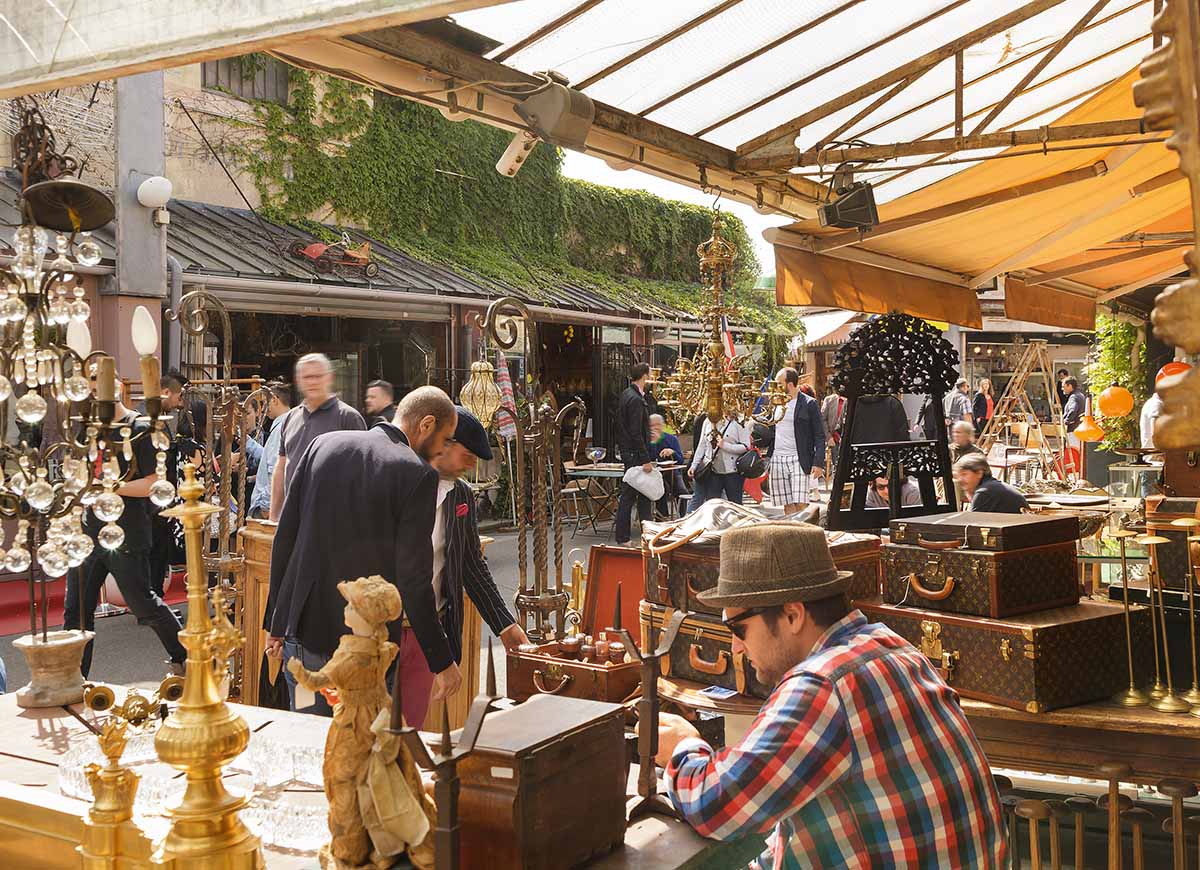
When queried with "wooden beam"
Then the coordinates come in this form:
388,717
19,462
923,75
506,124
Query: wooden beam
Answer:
1154,237
657,43
745,59
1158,181
823,244
1123,257
813,76
448,60
801,241
545,30
1118,292
1043,61
788,130
999,139
866,111
958,94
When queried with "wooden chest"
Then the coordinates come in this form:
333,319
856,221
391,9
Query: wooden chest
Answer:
545,787
978,530
1037,662
703,651
981,582
675,579
1171,559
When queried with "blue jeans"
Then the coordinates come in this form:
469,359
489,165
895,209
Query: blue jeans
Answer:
313,661
727,486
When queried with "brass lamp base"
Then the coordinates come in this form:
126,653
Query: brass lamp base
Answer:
1171,704
1131,697
1157,691
1192,695
54,676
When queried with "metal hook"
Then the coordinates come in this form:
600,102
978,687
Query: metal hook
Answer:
716,202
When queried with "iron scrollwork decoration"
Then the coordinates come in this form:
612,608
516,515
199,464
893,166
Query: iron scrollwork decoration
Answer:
229,406
538,469
890,354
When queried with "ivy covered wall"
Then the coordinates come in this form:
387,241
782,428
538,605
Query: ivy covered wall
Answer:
429,187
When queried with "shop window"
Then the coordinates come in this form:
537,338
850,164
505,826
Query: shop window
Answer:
248,77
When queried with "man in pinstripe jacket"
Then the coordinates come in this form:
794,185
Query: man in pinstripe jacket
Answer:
458,566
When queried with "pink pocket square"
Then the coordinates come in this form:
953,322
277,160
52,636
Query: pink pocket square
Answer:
461,510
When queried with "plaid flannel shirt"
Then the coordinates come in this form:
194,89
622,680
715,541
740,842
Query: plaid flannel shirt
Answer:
861,757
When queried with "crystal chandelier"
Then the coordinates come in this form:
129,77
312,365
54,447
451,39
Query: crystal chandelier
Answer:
712,383
45,350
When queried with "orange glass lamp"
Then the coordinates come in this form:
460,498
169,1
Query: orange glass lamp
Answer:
1116,401
1088,429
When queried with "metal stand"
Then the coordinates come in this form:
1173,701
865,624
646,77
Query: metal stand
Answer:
650,800
1133,696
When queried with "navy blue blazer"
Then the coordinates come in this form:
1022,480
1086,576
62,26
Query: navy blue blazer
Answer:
810,433
465,569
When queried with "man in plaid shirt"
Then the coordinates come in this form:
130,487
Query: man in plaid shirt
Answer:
861,757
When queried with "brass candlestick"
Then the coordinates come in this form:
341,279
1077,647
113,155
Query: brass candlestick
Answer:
1192,695
1133,696
204,734
1158,690
1169,702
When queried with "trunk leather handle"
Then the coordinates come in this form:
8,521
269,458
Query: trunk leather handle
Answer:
715,668
657,550
938,545
739,672
541,687
914,582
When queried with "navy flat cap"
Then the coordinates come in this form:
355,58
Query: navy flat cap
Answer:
471,434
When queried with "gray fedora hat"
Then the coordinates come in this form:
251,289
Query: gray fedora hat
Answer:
775,563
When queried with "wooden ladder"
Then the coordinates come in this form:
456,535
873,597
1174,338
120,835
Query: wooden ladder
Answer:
1014,406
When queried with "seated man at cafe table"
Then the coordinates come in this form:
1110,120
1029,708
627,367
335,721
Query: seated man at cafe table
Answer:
982,492
861,757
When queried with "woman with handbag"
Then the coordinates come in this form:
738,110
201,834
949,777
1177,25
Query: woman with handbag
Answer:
714,467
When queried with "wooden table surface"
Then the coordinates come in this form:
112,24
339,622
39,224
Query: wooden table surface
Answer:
35,740
1075,741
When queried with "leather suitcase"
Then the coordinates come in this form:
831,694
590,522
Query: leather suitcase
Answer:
676,578
986,531
545,787
1036,662
981,582
1181,473
1171,559
703,651
544,673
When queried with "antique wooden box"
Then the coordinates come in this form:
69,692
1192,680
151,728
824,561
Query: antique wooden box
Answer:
1036,662
986,531
545,787
703,651
677,577
545,672
1171,559
981,582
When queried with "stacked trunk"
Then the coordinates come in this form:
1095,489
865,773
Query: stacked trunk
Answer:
993,600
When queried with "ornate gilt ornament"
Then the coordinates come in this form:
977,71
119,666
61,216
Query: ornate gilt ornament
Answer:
1167,94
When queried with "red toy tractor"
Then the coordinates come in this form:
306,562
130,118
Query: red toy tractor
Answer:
329,258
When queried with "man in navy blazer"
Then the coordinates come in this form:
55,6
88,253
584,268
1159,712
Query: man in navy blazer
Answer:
458,566
799,450
362,503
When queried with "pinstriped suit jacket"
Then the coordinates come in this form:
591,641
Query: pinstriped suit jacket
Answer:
466,569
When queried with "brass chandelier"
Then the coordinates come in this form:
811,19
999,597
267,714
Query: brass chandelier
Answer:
711,382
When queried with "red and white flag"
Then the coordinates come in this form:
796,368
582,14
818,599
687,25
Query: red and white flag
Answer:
508,426
727,339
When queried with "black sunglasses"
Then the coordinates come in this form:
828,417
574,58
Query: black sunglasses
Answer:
734,623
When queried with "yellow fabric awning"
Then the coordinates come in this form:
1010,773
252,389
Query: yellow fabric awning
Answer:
802,278
1059,229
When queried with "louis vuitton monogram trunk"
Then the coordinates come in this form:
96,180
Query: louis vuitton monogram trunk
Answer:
677,577
1037,662
703,651
981,582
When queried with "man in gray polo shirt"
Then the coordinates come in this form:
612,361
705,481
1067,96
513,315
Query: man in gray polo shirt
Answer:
320,412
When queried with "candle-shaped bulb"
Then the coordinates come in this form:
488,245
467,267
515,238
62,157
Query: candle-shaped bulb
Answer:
79,338
144,331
